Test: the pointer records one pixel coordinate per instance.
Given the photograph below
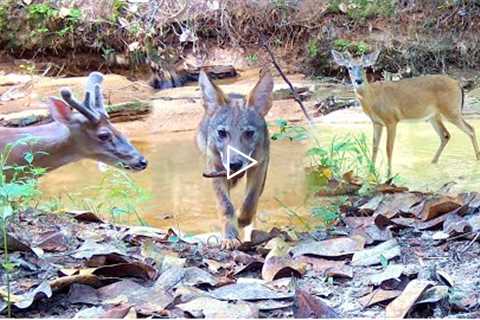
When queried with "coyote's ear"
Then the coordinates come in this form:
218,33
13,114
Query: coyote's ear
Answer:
260,98
213,97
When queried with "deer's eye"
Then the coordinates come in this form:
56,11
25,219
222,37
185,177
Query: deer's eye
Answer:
249,133
104,136
222,133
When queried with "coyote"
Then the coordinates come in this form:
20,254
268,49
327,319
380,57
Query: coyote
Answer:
237,121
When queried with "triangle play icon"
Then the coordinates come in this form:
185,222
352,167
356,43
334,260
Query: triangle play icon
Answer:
252,162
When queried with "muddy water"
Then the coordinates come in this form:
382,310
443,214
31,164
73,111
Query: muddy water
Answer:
182,198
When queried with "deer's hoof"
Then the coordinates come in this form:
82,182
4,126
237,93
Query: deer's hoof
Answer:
230,244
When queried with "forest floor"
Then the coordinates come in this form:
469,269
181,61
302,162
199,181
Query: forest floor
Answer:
396,253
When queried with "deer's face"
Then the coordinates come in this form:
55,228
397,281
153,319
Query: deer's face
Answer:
91,134
356,67
356,71
101,141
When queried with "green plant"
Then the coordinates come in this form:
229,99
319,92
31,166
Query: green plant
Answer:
18,188
117,195
332,161
286,131
362,9
252,58
312,48
328,212
358,48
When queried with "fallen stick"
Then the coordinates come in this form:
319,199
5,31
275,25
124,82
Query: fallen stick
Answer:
294,92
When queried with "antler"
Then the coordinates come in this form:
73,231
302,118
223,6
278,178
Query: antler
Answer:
92,106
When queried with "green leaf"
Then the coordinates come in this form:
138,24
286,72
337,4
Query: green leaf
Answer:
28,156
6,211
383,261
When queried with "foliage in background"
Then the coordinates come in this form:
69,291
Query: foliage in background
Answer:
132,31
364,9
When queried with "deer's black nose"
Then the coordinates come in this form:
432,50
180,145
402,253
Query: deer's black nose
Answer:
359,81
236,165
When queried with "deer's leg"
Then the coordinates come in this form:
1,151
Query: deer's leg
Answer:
226,213
442,133
468,129
377,135
391,132
255,183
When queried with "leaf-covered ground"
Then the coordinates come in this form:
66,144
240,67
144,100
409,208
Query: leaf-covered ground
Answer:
396,254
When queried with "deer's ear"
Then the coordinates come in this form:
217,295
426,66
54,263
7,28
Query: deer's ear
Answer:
260,98
213,97
59,110
370,59
342,59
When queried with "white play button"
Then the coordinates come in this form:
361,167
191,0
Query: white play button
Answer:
251,162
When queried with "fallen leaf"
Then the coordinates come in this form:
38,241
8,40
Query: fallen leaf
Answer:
131,269
336,247
280,267
213,266
439,205
377,296
433,223
205,307
474,221
85,216
90,248
309,306
455,225
328,267
109,312
147,300
65,282
248,291
52,242
83,294
392,271
390,188
371,256
433,295
445,277
400,307
396,203
25,300
15,244
191,276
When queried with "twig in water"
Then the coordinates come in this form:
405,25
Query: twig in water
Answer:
294,92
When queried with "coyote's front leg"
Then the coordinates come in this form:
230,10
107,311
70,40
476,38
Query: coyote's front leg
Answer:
255,183
226,212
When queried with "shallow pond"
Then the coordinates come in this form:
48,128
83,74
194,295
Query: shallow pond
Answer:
182,198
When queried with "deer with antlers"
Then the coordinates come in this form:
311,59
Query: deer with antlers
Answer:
72,136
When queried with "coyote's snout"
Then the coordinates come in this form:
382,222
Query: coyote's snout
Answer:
236,121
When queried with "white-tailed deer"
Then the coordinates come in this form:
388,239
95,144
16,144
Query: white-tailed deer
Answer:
73,136
432,98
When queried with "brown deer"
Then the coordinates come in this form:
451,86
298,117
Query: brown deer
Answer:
431,97
74,135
